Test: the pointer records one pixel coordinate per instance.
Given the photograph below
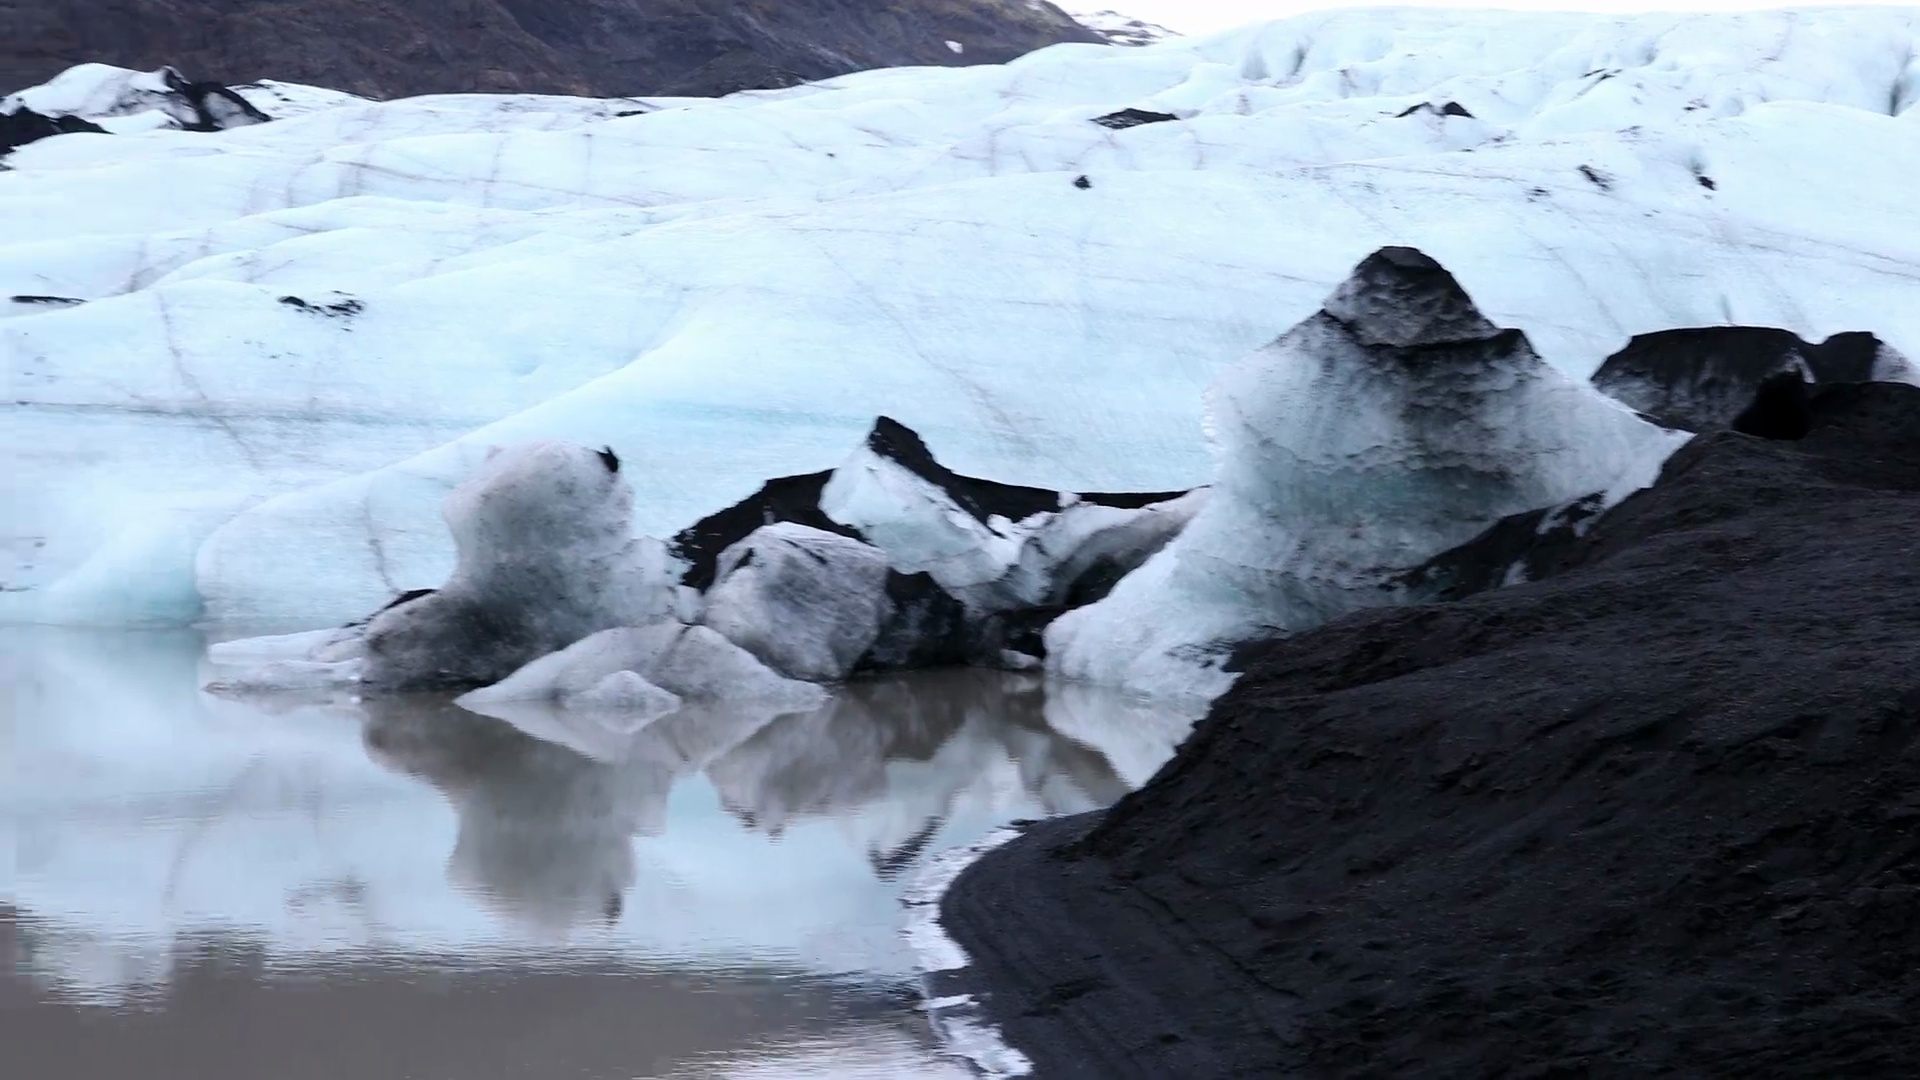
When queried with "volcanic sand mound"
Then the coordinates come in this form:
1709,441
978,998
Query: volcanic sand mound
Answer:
1653,814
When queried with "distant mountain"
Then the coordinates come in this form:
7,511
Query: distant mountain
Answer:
395,48
1119,29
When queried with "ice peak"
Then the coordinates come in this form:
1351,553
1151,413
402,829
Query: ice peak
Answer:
1401,297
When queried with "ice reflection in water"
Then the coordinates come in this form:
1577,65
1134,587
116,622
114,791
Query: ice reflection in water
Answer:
535,893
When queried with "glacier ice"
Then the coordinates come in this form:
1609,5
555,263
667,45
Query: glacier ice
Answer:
1394,424
545,559
809,603
993,546
893,561
728,290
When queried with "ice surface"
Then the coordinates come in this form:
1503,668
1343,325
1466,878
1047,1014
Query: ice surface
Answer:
1393,425
692,662
807,602
725,291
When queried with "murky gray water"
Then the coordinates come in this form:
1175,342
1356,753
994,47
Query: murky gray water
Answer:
282,889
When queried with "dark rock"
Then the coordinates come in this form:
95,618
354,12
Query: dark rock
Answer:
928,629
789,498
338,309
406,597
608,48
1651,815
1082,183
215,107
1781,409
1516,549
1451,108
47,301
986,498
1128,118
23,126
1700,379
1401,298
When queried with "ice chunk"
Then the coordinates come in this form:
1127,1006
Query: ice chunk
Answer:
692,662
289,675
627,693
1395,424
306,645
925,526
953,568
996,547
808,603
545,559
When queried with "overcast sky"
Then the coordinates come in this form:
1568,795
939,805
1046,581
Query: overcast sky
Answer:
1201,16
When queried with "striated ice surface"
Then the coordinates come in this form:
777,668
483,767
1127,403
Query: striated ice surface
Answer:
296,337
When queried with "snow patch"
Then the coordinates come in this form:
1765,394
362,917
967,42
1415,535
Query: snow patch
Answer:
1124,30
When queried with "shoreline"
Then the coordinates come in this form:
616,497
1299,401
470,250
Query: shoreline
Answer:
960,1023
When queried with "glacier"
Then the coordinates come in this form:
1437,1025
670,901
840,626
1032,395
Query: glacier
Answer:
277,347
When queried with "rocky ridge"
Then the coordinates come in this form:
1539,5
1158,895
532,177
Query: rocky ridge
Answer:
604,48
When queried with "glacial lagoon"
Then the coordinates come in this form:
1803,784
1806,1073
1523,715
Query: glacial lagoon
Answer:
211,887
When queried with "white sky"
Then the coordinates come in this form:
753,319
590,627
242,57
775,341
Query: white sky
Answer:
1202,16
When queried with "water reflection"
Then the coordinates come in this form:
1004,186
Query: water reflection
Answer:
163,834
